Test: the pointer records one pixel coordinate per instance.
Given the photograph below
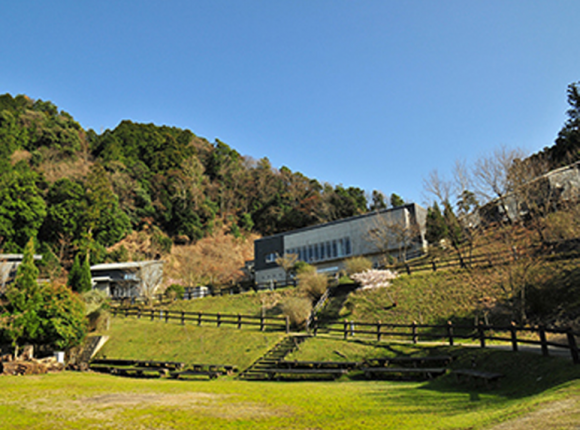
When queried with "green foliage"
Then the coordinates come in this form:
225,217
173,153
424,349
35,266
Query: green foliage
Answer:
175,291
79,277
436,226
22,208
74,275
357,265
42,314
63,317
396,200
25,301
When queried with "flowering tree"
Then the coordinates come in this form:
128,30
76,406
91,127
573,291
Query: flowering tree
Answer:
374,278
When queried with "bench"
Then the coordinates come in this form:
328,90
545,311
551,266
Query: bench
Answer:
209,373
441,360
429,372
274,373
289,364
477,375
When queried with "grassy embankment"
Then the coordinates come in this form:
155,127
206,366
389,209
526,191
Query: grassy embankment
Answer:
537,392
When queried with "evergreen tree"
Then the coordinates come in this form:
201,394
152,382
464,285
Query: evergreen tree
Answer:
74,276
436,226
24,301
85,281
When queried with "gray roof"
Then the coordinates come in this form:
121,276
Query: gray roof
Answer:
125,265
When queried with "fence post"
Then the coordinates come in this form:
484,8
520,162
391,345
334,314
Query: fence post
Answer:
543,342
573,347
345,329
166,315
481,331
114,312
138,313
450,332
199,318
288,325
126,312
261,322
219,319
379,331
152,315
182,318
414,331
239,321
514,336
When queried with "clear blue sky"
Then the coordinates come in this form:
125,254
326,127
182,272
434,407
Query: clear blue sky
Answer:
373,94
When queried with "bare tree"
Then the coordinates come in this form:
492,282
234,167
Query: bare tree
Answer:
288,263
150,279
389,234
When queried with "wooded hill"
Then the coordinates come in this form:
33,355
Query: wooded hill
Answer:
79,191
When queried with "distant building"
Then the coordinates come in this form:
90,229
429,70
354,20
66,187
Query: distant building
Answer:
548,191
9,266
397,233
133,279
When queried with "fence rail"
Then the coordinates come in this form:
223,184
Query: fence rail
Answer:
239,320
513,334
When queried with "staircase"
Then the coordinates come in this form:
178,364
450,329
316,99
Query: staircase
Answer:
270,358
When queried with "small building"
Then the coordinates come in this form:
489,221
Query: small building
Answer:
9,266
389,234
135,279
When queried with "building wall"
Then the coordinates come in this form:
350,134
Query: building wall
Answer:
327,246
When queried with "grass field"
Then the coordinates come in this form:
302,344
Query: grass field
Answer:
92,401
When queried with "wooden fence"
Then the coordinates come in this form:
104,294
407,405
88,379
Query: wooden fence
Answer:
450,333
269,323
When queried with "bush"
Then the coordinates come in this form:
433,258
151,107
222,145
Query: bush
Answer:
297,309
175,291
357,265
312,284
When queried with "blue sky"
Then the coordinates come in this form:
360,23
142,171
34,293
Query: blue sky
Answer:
373,94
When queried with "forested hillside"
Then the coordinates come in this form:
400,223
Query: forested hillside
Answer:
79,191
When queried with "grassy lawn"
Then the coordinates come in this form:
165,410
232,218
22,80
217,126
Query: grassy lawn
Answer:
143,339
91,401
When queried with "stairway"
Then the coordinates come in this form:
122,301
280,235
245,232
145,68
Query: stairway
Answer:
270,358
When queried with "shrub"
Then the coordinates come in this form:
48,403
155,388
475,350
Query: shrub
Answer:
357,265
312,284
175,291
297,309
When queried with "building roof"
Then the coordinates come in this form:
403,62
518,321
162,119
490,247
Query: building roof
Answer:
125,265
343,220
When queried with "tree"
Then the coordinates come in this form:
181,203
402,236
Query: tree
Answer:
22,208
396,200
62,317
436,226
25,301
74,275
378,201
288,263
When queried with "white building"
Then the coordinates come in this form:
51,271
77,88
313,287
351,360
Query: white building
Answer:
398,233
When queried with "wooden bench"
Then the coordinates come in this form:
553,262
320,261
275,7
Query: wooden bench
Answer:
293,364
477,375
440,360
429,372
274,373
209,373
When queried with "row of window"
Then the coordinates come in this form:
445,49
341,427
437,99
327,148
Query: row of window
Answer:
322,251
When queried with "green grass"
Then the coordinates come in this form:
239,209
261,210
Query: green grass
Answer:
143,339
91,401
249,303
